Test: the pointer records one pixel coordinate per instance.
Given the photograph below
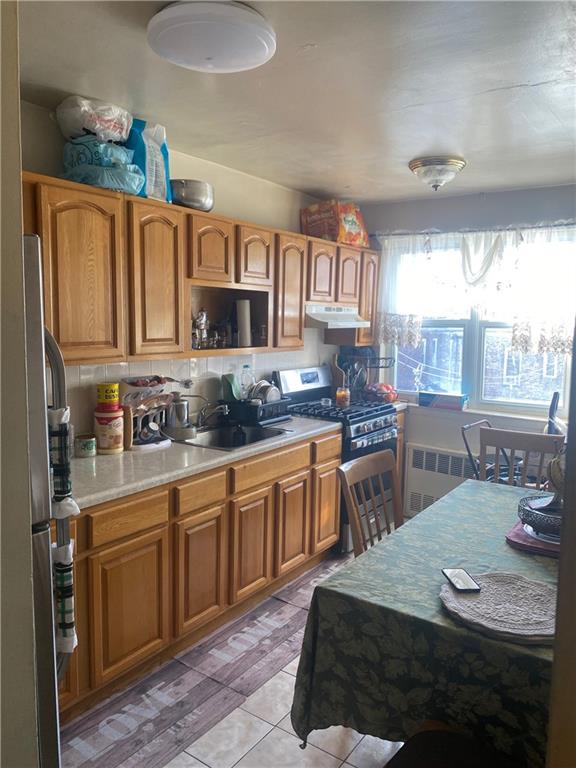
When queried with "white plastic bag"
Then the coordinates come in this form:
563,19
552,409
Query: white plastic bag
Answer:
77,116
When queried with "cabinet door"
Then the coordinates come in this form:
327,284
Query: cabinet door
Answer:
368,297
201,568
255,257
83,259
348,287
325,506
130,600
292,528
251,543
290,291
321,272
156,272
211,247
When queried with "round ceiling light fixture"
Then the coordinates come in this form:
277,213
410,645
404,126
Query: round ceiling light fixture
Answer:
212,36
436,171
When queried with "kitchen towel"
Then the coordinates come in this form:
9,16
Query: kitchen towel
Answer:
63,569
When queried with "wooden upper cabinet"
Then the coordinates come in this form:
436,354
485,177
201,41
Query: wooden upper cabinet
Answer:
255,255
368,296
211,249
83,258
290,291
348,285
29,217
129,604
251,564
156,270
292,545
322,260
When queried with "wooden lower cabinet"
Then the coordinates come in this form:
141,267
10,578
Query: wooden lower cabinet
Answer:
130,604
158,565
292,524
251,562
325,506
201,557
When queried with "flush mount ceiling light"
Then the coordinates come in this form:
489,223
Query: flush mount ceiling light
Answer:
436,171
212,37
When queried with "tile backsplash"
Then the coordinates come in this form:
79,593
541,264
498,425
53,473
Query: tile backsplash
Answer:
81,380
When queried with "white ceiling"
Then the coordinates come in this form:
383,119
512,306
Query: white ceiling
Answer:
355,91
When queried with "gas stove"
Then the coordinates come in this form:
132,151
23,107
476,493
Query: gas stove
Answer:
368,426
360,418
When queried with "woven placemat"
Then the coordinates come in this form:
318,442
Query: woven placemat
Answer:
508,607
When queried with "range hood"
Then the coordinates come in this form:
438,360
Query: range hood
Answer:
333,317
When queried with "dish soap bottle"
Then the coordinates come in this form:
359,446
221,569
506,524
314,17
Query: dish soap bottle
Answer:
246,381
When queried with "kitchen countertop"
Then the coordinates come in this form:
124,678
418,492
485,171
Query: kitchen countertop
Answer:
104,478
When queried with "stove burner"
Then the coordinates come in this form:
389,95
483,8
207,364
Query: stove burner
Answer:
364,409
360,418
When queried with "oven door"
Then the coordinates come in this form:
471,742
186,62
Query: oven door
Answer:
385,439
362,445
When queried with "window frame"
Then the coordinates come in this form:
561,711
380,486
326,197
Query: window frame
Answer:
474,329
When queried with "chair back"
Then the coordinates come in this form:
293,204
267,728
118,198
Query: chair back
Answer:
520,458
364,483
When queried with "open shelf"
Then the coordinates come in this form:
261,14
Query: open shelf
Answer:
218,303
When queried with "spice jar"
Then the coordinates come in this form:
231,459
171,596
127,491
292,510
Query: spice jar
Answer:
108,396
343,397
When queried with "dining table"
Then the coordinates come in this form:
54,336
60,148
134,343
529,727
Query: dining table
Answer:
381,655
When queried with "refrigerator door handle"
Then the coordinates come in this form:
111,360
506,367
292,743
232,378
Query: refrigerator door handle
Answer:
36,383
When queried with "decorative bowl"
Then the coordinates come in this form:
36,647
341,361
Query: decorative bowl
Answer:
533,511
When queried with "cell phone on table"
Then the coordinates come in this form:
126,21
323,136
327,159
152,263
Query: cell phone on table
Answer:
461,580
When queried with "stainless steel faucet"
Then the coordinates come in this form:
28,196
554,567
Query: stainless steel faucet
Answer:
209,409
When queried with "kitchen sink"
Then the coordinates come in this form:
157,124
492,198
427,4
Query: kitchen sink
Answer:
231,438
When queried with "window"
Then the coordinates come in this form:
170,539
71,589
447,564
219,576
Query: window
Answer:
436,364
514,377
467,341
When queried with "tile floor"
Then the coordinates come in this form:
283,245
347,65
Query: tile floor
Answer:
223,703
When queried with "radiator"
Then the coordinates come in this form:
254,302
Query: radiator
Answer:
430,474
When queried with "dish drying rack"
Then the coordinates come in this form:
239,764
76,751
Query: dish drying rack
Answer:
344,376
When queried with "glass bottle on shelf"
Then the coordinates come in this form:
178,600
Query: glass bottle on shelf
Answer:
246,380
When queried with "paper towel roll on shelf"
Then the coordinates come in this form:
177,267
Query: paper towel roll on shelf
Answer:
244,323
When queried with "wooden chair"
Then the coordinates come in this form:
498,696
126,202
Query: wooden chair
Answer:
526,469
364,488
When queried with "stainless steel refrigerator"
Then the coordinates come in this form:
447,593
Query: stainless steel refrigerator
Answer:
40,346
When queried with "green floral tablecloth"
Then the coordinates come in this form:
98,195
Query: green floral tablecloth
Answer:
380,655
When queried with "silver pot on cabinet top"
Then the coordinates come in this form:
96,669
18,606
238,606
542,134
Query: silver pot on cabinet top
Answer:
193,194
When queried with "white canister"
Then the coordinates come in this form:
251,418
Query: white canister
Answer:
244,326
109,431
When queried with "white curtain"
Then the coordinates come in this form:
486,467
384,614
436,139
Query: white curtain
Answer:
524,277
